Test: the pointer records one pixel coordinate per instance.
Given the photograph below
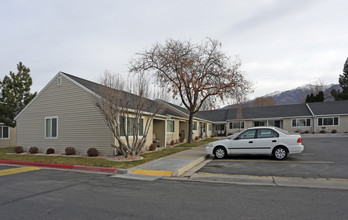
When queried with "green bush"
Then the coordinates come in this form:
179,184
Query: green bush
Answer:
19,149
92,152
70,151
33,150
152,147
50,151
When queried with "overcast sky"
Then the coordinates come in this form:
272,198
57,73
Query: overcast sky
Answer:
282,44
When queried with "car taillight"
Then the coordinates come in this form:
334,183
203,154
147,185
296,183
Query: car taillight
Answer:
299,140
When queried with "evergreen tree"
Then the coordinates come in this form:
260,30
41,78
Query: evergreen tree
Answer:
315,98
343,80
15,94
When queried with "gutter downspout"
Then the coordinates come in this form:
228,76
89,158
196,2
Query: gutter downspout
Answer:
314,117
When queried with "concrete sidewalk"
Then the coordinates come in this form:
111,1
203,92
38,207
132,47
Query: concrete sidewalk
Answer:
171,166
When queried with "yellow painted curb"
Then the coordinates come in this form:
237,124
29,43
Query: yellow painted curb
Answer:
17,170
153,172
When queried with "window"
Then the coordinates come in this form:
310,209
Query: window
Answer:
237,125
194,126
266,133
131,126
51,127
301,122
259,123
210,127
170,126
249,134
4,132
329,121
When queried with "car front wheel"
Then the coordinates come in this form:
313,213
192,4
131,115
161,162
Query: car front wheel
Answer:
280,153
220,153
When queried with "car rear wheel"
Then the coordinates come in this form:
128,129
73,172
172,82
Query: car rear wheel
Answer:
220,153
280,153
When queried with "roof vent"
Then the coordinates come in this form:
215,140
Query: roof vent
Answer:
59,81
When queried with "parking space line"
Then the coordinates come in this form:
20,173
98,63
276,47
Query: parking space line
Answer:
270,161
17,170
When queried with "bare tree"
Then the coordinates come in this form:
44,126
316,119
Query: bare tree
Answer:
264,101
128,116
194,73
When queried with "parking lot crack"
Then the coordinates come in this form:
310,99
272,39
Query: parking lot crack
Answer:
273,180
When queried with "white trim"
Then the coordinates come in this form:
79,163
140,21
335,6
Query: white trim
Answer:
169,132
9,132
306,126
51,117
333,120
59,80
127,127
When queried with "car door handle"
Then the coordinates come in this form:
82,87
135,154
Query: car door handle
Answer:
274,141
250,142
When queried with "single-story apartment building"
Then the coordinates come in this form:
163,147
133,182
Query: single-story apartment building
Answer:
7,136
64,114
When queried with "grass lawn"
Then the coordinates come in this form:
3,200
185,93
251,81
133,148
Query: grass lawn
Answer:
197,143
98,162
86,161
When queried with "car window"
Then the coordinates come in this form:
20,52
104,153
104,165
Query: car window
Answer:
266,133
249,134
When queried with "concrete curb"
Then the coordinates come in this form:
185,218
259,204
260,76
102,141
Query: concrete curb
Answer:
189,166
325,183
61,166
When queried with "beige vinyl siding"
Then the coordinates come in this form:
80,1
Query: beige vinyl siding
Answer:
10,141
80,124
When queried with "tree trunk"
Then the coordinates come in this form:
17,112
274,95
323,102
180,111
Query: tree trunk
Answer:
189,136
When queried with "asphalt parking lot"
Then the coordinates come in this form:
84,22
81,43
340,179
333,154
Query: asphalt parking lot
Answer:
323,157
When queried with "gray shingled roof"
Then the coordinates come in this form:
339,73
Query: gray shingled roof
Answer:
132,99
278,111
328,108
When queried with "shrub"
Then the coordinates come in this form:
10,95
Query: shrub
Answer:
92,152
33,150
50,151
306,132
213,135
196,138
152,147
322,132
70,151
19,149
334,131
172,142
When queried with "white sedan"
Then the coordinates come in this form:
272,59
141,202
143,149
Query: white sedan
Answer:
258,140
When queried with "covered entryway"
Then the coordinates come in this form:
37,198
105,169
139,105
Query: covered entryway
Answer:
159,132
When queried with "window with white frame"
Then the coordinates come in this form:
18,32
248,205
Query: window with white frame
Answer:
194,127
170,126
328,121
129,124
210,127
237,125
301,122
4,132
51,127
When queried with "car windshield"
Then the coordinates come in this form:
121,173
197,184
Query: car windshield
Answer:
281,130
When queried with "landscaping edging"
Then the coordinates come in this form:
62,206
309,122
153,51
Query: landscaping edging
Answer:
61,166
